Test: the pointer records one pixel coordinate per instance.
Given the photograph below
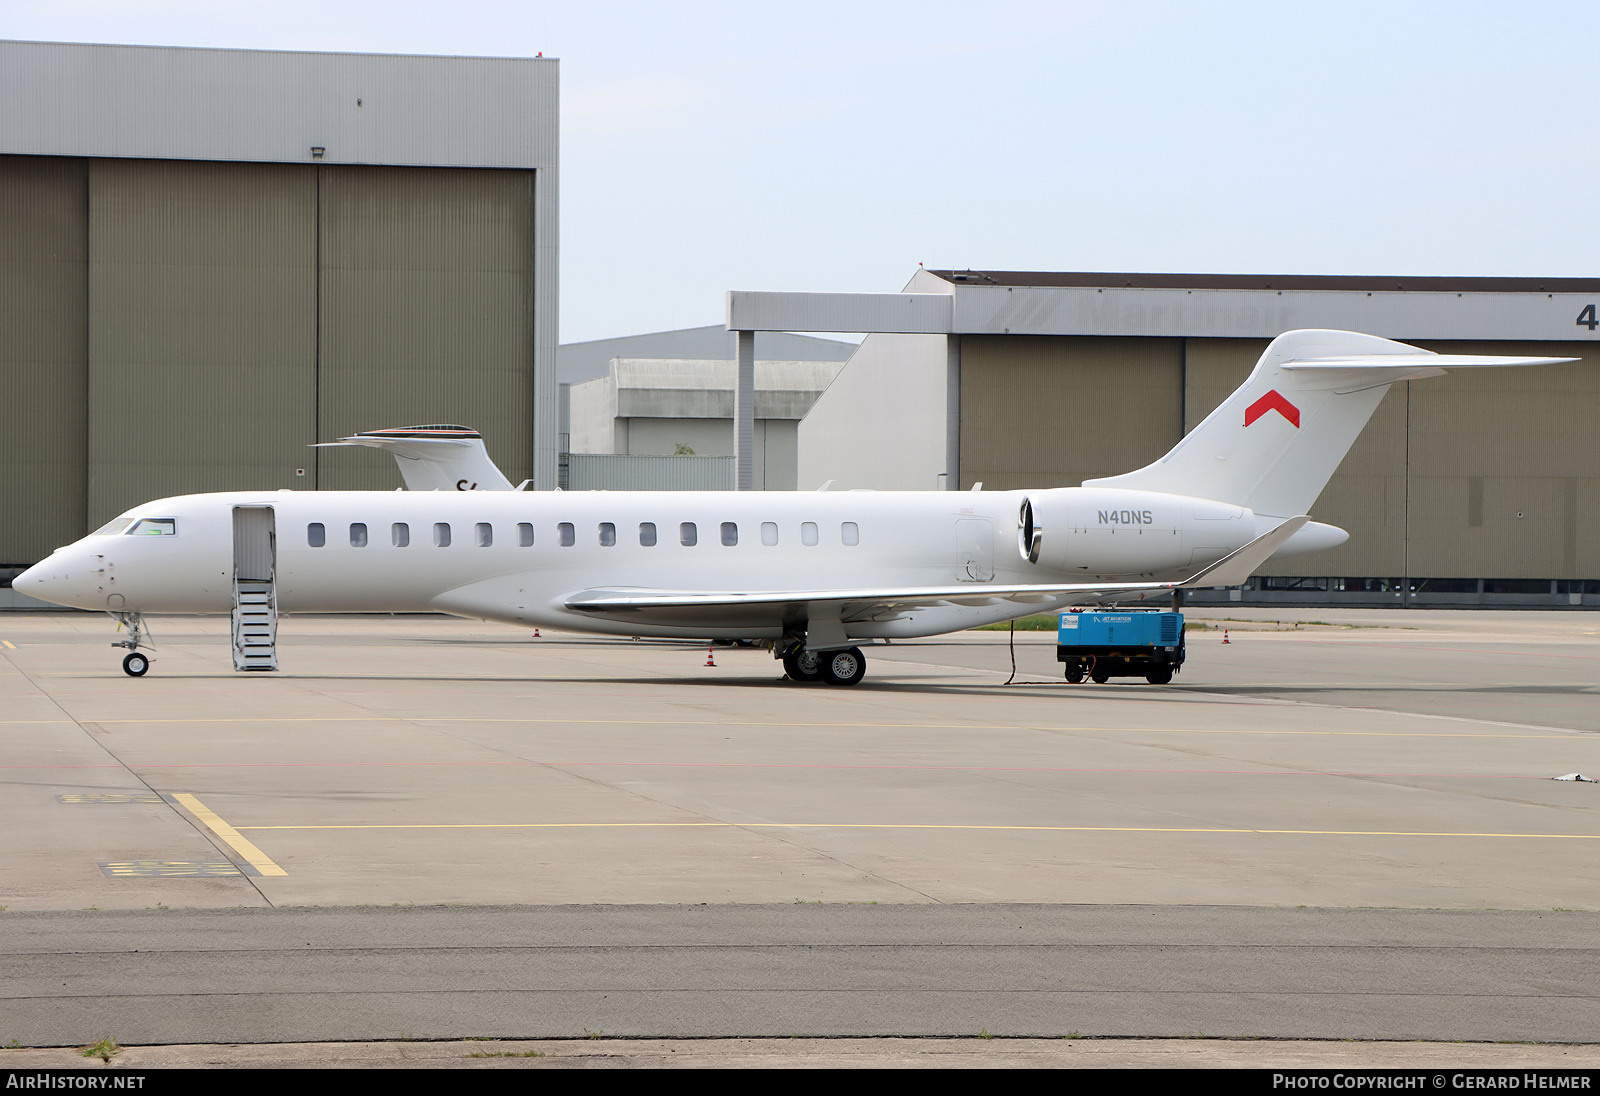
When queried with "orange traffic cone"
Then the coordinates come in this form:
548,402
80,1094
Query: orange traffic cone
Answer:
536,633
1224,635
709,660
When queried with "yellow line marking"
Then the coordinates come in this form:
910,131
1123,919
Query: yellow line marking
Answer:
252,855
8,643
907,826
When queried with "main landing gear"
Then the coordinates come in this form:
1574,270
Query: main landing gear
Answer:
134,664
801,664
842,667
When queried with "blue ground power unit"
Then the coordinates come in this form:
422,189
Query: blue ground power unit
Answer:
1101,646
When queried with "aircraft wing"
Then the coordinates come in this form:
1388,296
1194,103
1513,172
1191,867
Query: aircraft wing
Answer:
879,602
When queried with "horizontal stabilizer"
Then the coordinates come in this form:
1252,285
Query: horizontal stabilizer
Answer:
1347,373
1422,358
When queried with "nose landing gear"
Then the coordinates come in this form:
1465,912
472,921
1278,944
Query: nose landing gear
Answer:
134,664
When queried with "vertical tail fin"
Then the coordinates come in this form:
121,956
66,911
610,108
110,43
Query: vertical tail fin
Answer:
1275,442
435,458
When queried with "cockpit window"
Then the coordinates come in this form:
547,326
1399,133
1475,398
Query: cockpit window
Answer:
154,527
113,527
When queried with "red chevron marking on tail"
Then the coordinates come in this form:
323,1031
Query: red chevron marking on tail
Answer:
1272,401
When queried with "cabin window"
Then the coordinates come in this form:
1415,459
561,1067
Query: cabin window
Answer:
687,536
441,534
358,534
849,533
608,534
400,534
525,534
647,534
154,527
730,533
769,532
316,534
569,535
808,532
483,534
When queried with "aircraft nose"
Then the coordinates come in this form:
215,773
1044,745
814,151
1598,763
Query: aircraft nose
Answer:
47,581
29,581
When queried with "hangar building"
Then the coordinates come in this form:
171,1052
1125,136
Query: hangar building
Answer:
1479,487
211,259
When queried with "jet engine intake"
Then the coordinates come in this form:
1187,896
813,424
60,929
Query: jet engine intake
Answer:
1095,532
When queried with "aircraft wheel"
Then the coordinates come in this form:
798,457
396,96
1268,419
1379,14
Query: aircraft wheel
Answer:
135,665
1075,674
844,667
802,665
1159,677
1099,677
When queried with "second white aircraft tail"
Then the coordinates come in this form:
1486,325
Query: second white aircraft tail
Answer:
435,458
1273,445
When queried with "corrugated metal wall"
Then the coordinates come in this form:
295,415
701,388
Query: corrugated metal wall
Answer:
618,472
202,345
169,327
43,355
426,310
1505,467
1489,473
1479,474
1045,411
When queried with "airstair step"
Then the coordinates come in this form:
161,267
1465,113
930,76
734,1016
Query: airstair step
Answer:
255,626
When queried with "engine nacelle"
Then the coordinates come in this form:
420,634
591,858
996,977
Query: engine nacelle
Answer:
1095,532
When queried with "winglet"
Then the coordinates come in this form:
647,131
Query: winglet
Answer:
1237,566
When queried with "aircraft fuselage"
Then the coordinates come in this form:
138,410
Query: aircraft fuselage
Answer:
517,557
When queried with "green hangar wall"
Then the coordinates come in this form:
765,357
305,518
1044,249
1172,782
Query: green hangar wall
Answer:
1492,473
173,327
211,260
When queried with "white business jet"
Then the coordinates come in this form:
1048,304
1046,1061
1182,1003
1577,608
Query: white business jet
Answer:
816,574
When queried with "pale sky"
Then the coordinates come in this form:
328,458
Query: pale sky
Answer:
833,146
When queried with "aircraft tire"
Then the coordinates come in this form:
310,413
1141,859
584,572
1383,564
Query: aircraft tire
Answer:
845,667
135,665
802,665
